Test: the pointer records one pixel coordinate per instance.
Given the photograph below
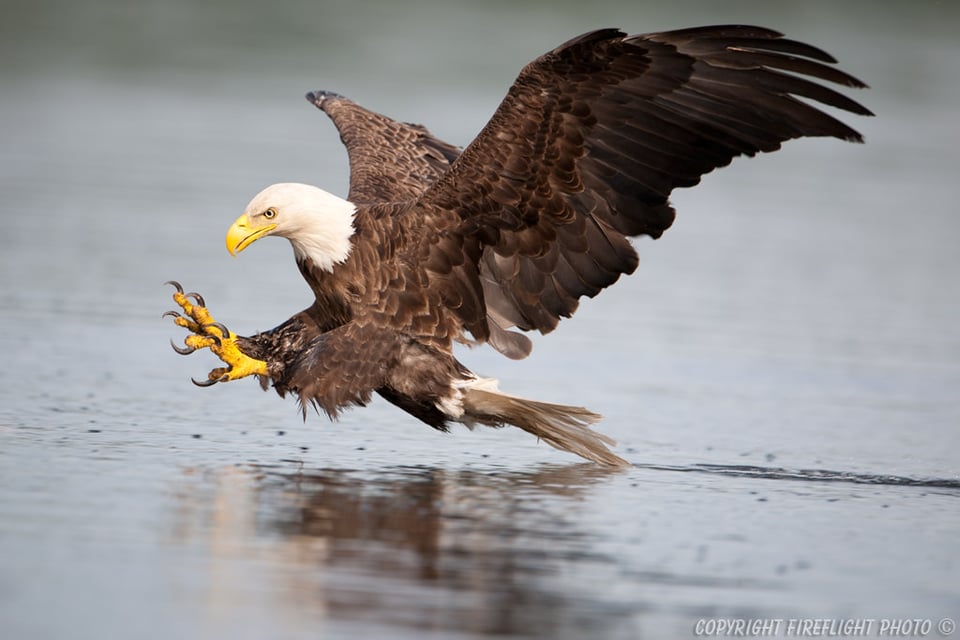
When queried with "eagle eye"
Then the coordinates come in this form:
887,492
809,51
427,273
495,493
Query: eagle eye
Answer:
270,213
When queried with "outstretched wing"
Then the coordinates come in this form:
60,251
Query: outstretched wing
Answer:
584,151
390,161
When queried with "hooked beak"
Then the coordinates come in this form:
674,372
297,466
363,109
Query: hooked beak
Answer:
241,234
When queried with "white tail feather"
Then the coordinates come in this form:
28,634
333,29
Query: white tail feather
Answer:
564,427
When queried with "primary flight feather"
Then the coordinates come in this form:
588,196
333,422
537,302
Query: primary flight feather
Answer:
434,245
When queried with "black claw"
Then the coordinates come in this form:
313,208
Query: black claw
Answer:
184,351
208,382
223,330
196,298
175,284
171,313
215,339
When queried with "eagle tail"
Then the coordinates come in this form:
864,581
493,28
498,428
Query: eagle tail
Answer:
565,427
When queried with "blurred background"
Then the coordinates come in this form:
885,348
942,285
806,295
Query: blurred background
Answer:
783,368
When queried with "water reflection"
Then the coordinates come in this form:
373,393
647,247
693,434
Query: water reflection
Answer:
415,548
408,550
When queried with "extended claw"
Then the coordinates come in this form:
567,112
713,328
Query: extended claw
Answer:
184,351
224,332
206,333
206,383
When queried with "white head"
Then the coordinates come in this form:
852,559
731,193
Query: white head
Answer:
318,224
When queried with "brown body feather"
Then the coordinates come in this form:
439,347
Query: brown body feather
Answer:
534,214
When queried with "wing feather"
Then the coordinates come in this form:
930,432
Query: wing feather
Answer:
390,161
586,148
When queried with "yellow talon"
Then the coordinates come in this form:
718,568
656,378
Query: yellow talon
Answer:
199,314
207,333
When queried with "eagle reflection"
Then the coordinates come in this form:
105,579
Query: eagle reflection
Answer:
418,547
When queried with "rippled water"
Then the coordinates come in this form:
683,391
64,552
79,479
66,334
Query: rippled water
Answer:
783,370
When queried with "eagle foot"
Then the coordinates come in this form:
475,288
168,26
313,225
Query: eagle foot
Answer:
207,333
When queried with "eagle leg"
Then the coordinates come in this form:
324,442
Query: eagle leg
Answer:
207,333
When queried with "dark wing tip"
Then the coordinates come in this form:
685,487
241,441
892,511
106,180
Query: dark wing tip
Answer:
854,136
320,96
718,31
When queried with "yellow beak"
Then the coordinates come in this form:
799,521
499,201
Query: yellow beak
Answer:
241,234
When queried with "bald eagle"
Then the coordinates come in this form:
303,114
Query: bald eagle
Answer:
436,245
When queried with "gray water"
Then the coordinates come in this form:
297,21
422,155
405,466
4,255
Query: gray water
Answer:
783,370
